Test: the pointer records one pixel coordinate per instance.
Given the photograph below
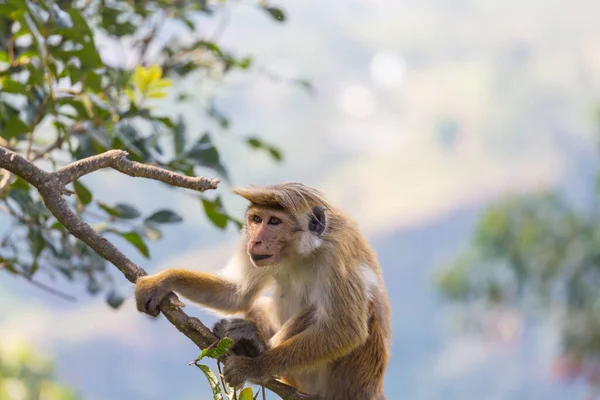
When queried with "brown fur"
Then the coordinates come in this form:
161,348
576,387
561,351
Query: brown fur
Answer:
329,319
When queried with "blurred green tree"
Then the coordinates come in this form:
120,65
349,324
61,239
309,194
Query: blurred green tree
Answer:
540,254
60,101
25,375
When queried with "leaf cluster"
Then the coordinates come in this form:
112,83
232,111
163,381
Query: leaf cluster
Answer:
220,389
60,101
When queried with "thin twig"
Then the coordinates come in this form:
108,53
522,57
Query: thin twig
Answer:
221,378
36,121
50,290
11,50
51,189
147,40
4,181
55,145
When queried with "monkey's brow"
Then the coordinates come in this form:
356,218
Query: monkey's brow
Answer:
274,207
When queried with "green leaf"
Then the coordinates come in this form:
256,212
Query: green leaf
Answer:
179,136
214,211
218,351
156,95
93,81
245,63
161,83
15,127
154,73
12,86
26,56
218,116
114,299
109,210
57,225
135,239
21,196
36,241
205,154
141,78
256,143
221,349
126,211
165,217
34,267
4,57
212,380
275,12
246,394
7,9
82,193
276,154
167,122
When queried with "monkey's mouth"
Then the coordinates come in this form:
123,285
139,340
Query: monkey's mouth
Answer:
260,257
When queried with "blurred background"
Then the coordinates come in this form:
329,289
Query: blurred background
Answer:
461,135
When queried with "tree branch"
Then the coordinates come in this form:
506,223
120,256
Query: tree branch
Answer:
117,159
51,186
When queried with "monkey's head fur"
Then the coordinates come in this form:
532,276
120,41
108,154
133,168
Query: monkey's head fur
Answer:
284,221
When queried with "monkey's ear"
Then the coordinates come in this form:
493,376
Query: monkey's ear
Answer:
317,221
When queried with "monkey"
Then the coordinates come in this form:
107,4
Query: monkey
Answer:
315,308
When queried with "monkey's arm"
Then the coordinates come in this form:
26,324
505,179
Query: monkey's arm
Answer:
203,288
306,341
250,335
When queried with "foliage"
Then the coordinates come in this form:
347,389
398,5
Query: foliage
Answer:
24,375
216,352
60,101
538,253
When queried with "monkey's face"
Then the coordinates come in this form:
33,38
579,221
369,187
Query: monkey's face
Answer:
274,235
268,231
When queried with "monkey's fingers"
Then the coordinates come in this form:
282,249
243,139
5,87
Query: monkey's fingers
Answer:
220,328
147,304
246,331
245,348
177,303
151,308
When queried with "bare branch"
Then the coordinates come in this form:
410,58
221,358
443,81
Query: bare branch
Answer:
117,159
51,188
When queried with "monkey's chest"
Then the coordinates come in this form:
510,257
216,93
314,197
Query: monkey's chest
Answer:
289,302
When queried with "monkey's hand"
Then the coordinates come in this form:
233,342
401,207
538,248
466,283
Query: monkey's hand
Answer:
149,293
247,340
240,369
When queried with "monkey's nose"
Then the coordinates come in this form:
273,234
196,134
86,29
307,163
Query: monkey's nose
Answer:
258,257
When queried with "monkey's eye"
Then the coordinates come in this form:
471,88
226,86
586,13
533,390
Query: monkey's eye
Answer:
274,221
257,219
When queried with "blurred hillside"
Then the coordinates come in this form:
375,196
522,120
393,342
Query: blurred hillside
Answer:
424,113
